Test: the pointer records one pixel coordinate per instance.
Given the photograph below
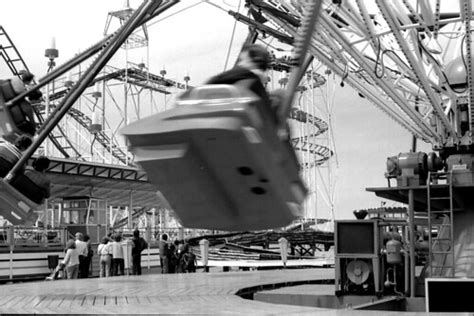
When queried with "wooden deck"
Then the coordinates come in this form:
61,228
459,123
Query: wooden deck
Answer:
196,293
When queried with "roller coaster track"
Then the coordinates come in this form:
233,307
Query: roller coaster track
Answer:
303,144
16,63
124,221
100,136
104,49
133,76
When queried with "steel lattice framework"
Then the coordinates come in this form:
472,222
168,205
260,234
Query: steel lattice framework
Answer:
88,101
398,54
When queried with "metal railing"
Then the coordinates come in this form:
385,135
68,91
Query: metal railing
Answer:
31,236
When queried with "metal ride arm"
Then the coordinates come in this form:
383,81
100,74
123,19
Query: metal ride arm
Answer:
351,78
394,56
465,7
147,10
417,68
361,84
302,45
278,35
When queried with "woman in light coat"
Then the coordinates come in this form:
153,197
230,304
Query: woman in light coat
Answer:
105,252
71,260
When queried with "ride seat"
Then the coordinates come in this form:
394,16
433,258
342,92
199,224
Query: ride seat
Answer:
14,206
29,188
217,159
17,118
5,167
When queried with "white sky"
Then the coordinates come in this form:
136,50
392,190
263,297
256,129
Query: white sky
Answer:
196,41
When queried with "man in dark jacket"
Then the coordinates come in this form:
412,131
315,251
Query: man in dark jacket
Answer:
250,72
139,244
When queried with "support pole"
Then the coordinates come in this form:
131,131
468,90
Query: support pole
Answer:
204,247
130,211
406,262
411,232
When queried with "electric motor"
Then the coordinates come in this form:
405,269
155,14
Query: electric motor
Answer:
416,162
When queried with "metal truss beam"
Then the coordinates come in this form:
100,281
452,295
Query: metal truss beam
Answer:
414,123
96,170
416,65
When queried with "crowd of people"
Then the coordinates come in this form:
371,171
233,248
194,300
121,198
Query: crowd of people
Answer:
77,260
176,257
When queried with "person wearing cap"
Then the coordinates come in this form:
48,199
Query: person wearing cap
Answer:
71,260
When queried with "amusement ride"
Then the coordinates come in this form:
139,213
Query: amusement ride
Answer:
410,59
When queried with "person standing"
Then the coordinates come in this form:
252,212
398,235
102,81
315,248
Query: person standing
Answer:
187,260
139,244
105,252
89,255
164,253
81,247
71,260
118,262
173,257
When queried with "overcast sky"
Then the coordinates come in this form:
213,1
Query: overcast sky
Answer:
196,42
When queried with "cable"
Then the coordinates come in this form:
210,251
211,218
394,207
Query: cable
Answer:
231,38
168,16
278,49
230,5
464,62
439,65
377,61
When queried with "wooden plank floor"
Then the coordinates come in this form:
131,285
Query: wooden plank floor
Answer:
196,293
